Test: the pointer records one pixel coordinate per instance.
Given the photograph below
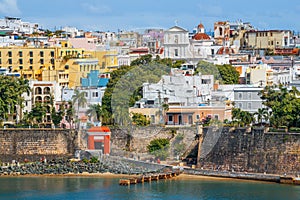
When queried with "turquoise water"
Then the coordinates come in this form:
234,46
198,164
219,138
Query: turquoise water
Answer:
72,188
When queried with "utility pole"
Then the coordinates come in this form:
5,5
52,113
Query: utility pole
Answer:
160,107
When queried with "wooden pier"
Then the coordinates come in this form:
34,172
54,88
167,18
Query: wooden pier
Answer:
147,178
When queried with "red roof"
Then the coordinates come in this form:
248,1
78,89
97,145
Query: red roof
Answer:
201,36
200,25
225,50
99,129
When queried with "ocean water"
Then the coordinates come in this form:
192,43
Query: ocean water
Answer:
73,188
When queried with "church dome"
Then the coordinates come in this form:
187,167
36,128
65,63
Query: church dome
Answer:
201,36
200,26
225,50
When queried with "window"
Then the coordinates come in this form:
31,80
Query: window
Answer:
41,54
170,118
95,94
20,67
42,61
249,95
30,54
31,61
9,54
176,39
20,54
197,116
52,61
52,53
216,117
249,106
10,61
21,61
240,105
176,52
240,95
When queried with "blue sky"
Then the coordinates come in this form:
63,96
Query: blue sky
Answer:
112,15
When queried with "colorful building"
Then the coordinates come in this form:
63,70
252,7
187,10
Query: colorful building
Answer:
99,139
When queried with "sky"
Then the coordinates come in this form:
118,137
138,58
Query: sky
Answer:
114,15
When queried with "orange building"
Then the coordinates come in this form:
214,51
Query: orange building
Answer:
190,115
99,139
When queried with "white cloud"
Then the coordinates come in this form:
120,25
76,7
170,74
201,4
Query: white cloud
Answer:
98,9
9,7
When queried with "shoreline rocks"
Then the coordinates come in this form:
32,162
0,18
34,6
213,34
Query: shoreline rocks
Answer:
66,166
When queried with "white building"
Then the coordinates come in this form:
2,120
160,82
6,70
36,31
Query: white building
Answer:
178,89
15,24
93,95
41,92
176,44
202,45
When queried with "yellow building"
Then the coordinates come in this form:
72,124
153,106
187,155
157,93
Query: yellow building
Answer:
29,61
64,65
261,75
269,39
107,60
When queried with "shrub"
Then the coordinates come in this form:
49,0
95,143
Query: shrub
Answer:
158,144
159,148
94,160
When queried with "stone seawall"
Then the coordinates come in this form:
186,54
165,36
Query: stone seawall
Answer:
254,151
31,144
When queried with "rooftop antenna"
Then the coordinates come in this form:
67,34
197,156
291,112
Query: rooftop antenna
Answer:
176,22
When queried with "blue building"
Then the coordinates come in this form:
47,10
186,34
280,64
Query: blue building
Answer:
95,79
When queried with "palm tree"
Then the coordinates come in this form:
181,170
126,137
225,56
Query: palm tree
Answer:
79,98
95,110
262,113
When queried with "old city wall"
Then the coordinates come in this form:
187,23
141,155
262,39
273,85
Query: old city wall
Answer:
31,144
139,138
254,150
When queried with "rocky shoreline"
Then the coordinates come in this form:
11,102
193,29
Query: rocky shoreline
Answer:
67,166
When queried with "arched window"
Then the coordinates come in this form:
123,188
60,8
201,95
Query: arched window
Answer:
38,99
38,90
46,90
47,99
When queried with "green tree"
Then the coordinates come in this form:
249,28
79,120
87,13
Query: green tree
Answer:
225,74
242,118
229,75
57,116
261,114
95,110
139,119
206,68
38,112
70,112
79,99
11,95
143,60
284,105
159,148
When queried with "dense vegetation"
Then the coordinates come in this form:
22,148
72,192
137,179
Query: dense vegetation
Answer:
225,74
139,119
11,90
284,105
159,148
125,86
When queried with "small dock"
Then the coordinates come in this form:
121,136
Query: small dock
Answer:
148,178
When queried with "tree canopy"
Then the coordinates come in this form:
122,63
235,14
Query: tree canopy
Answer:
125,88
11,90
225,74
284,105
